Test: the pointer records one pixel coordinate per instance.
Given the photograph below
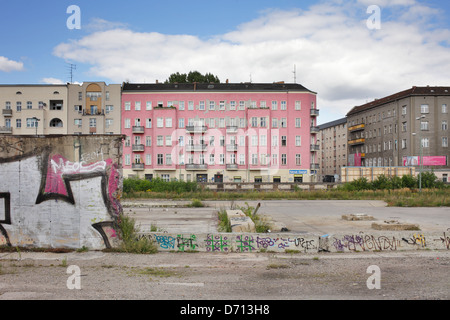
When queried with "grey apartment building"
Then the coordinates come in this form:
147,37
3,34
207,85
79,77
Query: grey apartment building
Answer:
333,149
410,123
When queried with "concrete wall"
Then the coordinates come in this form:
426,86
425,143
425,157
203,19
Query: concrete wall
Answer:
302,243
60,191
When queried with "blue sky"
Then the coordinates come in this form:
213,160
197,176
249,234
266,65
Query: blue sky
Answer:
328,41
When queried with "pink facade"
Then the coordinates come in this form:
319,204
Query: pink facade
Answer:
174,129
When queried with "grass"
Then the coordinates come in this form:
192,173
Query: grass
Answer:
131,243
404,197
261,226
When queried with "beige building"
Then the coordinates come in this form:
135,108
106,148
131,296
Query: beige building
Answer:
333,149
33,109
94,108
411,123
89,108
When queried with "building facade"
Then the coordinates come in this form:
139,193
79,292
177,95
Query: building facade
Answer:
33,109
220,132
94,108
333,149
89,108
400,129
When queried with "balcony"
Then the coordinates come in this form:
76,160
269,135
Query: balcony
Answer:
232,129
138,129
315,166
7,112
232,147
315,130
138,148
137,166
356,142
196,147
232,167
194,167
196,129
358,127
315,112
315,147
5,130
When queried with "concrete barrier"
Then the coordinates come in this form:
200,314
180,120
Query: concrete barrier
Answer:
301,243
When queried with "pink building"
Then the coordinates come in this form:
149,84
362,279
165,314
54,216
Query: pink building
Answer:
243,132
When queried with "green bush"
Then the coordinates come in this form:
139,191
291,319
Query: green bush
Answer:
158,185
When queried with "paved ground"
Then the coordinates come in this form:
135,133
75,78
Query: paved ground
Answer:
239,277
316,216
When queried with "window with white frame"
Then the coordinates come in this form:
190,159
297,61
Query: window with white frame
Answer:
137,105
127,123
127,106
242,159
283,159
283,105
444,108
424,108
232,105
274,123
424,125
298,159
298,105
168,141
127,159
425,142
444,125
254,159
222,105
160,141
298,122
298,141
148,123
148,159
445,142
148,141
190,105
201,105
180,122
160,122
181,105
241,105
148,106
274,105
168,122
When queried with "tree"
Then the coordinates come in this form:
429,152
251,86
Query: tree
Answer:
191,77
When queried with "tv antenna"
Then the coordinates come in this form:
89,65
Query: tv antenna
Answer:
72,67
295,73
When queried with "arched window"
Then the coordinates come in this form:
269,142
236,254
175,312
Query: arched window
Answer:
56,123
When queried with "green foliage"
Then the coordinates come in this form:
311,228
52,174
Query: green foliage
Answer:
131,243
191,77
158,185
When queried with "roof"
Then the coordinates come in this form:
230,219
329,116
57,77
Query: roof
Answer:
212,87
332,123
414,91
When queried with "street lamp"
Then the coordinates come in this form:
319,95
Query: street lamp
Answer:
36,123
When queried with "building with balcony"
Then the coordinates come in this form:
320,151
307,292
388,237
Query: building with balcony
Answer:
94,108
242,132
333,149
33,109
406,125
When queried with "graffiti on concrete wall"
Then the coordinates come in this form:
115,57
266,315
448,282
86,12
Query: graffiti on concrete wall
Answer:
48,200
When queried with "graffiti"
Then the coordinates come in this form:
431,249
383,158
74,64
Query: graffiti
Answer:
366,242
416,239
445,240
165,242
41,174
215,243
244,243
186,243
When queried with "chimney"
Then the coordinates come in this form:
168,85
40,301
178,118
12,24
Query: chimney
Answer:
227,81
157,81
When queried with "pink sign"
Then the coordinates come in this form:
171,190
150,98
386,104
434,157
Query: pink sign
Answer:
427,161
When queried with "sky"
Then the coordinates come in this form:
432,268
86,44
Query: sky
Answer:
349,52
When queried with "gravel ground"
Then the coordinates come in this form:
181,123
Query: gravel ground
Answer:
418,275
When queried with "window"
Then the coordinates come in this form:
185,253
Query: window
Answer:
263,122
160,122
127,106
254,122
283,141
274,141
78,123
191,105
242,159
425,142
263,140
8,105
404,126
424,108
137,106
254,141
92,123
148,123
165,177
404,110
298,159
298,105
444,108
262,104
424,125
232,105
148,105
160,159
221,105
19,106
109,109
298,141
168,159
221,159
274,105
148,141
241,105
159,141
148,159
29,105
211,159
109,123
274,159
181,123
168,141
274,123
254,159
181,105
283,122
168,122
445,142
283,105
444,125
283,159
18,123
403,143
298,122
202,105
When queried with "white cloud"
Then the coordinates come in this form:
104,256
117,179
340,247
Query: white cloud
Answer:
7,65
334,52
52,81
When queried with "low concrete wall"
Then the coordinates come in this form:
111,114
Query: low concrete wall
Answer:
302,243
265,186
